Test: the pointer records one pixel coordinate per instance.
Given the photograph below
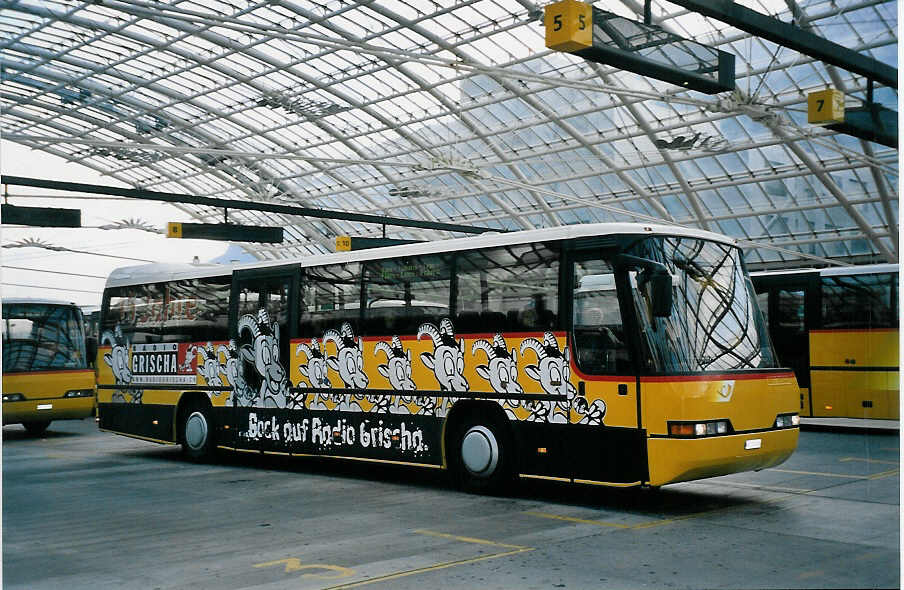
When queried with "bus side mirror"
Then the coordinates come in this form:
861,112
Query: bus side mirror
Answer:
91,349
661,294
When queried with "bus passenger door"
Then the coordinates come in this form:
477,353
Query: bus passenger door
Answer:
263,318
606,401
785,310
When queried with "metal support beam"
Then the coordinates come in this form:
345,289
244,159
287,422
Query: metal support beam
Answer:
794,37
233,204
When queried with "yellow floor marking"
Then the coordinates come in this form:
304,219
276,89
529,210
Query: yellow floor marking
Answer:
765,487
653,523
468,539
844,475
293,564
846,459
515,550
579,520
879,475
884,474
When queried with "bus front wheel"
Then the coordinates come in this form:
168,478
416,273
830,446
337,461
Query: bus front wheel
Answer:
36,428
481,456
197,433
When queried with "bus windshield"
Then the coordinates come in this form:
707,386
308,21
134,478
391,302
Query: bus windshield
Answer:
42,337
714,324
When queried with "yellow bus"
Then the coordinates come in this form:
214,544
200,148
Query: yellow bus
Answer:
609,354
837,328
46,375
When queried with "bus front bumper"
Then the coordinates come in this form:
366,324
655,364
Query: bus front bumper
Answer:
39,410
672,460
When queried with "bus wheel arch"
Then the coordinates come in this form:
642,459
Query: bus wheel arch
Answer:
195,428
479,446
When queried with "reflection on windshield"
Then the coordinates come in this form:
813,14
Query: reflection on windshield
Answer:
715,324
38,337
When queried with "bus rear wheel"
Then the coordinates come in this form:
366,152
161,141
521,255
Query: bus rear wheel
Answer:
480,459
197,433
36,428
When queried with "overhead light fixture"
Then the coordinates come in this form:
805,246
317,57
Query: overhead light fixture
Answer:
298,105
126,154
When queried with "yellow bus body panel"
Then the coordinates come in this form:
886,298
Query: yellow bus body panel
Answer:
867,348
674,460
853,390
750,403
47,388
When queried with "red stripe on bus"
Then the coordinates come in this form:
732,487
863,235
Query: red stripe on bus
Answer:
60,372
849,330
718,377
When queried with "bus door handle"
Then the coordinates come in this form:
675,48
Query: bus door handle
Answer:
622,389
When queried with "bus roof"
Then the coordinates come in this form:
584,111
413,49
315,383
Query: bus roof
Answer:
151,273
835,271
37,301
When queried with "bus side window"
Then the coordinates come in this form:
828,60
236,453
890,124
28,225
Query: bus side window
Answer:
404,293
330,297
509,289
599,336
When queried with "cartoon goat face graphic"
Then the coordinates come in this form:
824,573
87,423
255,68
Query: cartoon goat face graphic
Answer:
233,371
501,369
552,370
398,365
210,366
316,368
263,352
118,358
349,360
447,361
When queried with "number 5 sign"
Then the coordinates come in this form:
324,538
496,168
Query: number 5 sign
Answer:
569,25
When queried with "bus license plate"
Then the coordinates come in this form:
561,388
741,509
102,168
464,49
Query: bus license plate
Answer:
753,443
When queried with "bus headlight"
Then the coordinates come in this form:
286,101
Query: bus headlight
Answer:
699,429
79,393
787,420
13,397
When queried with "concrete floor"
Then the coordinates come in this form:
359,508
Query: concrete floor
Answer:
86,509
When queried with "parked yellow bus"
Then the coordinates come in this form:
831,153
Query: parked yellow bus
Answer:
610,354
46,375
838,329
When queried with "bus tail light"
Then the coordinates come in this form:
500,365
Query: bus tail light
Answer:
700,429
13,397
787,420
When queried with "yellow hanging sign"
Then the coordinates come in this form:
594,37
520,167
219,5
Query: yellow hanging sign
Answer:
343,243
569,25
825,106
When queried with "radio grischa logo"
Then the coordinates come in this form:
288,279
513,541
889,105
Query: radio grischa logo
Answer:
163,363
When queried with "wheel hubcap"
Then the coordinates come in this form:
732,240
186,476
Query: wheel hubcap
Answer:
479,451
196,430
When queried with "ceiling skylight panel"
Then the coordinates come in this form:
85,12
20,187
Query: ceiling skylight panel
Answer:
156,29
351,26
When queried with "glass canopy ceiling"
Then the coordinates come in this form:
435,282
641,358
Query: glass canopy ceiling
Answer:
454,111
